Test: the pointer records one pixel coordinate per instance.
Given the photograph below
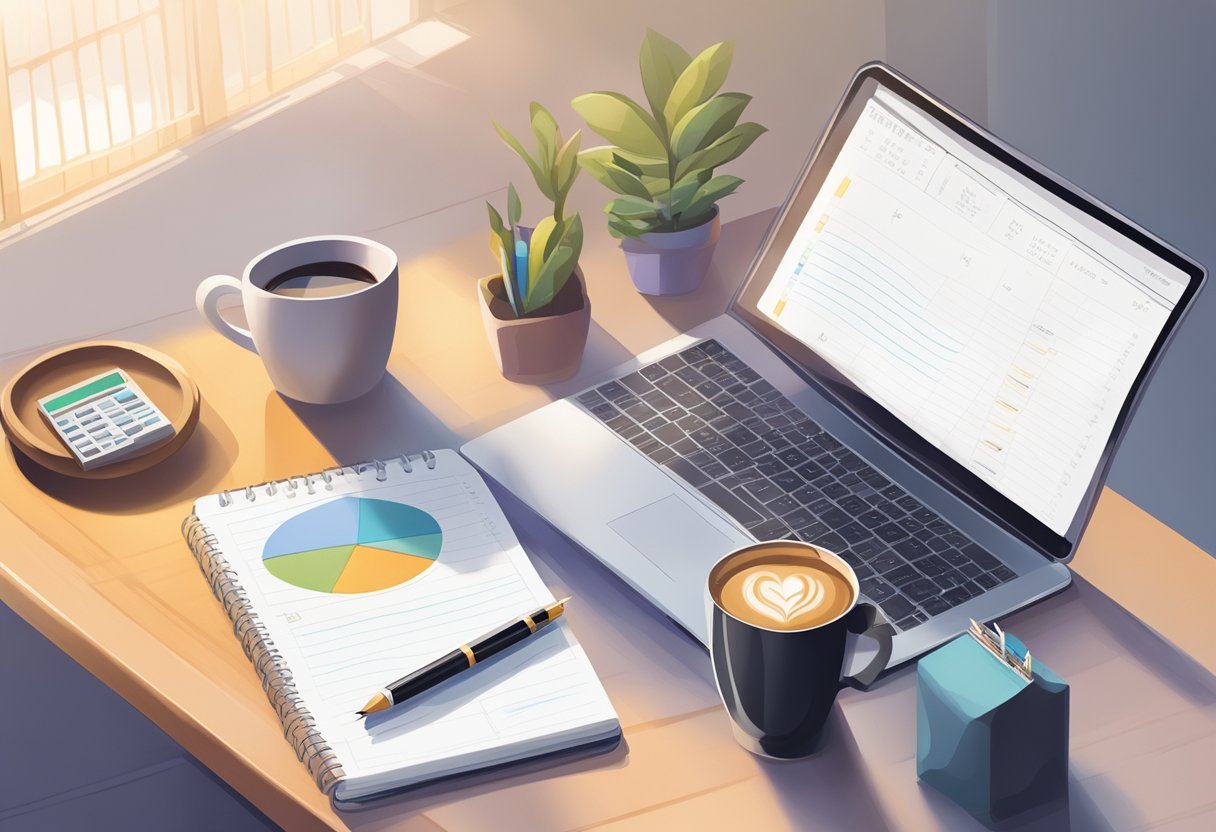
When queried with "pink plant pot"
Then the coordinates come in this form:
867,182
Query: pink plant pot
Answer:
541,349
672,262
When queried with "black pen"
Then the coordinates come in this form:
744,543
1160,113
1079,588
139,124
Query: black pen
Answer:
462,658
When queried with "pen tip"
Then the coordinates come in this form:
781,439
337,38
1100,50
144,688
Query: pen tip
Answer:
565,600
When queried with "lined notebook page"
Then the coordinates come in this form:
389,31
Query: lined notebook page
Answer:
341,648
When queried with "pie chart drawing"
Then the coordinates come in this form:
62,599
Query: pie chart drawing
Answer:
352,545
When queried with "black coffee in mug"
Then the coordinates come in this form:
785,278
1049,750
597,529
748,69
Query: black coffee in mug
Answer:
782,612
320,280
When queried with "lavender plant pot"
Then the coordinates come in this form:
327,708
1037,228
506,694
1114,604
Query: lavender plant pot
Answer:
542,349
672,262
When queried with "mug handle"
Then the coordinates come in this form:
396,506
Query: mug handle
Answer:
207,298
866,621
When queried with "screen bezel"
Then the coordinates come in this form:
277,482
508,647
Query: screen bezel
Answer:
878,420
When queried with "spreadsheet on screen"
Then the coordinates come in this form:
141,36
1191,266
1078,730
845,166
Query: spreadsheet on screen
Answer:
1001,324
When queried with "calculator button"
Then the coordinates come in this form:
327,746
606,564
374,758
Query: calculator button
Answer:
134,405
85,412
61,422
105,445
90,420
70,429
89,452
152,421
123,396
133,429
122,420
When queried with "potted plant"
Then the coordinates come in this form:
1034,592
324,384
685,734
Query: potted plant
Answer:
536,310
662,161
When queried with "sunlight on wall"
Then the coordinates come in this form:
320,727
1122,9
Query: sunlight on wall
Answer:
93,87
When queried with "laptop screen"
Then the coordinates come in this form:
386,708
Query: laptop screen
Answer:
1002,324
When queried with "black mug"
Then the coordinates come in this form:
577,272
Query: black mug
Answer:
779,683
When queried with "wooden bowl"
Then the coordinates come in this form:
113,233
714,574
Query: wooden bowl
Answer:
163,380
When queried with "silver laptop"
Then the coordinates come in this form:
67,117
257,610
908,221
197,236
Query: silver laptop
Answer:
927,370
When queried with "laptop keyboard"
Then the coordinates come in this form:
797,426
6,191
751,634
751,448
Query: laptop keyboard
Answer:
714,422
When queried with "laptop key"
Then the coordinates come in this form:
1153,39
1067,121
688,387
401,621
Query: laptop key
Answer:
887,562
869,548
911,621
935,606
986,581
1003,573
783,504
932,565
652,372
835,490
831,541
853,532
890,532
872,518
876,589
669,434
853,505
731,504
912,549
815,529
896,607
901,575
920,590
980,556
788,480
771,530
834,517
686,471
763,490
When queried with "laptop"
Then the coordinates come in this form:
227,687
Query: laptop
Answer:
927,370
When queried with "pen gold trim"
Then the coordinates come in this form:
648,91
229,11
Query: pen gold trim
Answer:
442,668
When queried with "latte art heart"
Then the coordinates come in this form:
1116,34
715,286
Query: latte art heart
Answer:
783,598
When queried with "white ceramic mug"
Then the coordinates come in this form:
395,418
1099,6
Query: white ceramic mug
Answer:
319,350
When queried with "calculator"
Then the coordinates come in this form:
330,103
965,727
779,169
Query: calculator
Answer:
104,419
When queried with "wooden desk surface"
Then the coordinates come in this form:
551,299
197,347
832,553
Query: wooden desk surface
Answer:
101,569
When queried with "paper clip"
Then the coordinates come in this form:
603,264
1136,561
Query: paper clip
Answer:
992,639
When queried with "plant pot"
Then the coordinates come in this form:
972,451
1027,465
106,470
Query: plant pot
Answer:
542,348
672,262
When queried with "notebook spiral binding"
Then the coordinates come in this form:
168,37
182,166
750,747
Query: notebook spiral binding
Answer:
299,727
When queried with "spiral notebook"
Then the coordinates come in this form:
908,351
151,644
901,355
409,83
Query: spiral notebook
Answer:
341,581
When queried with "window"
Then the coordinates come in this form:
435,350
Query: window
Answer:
91,88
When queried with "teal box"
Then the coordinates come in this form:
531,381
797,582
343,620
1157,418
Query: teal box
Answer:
987,738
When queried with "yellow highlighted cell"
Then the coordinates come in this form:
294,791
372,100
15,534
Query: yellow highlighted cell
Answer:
843,186
779,308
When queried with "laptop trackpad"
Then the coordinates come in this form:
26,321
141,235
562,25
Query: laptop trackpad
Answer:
672,536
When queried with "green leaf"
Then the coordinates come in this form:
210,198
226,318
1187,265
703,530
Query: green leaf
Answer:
626,228
700,80
624,164
703,200
559,266
545,229
632,207
495,218
566,164
662,61
730,146
515,208
683,193
544,128
621,121
706,123
611,176
538,173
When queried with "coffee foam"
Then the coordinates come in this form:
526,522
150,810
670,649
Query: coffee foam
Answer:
785,592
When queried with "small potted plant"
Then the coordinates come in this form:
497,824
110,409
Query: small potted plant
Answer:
662,162
536,310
